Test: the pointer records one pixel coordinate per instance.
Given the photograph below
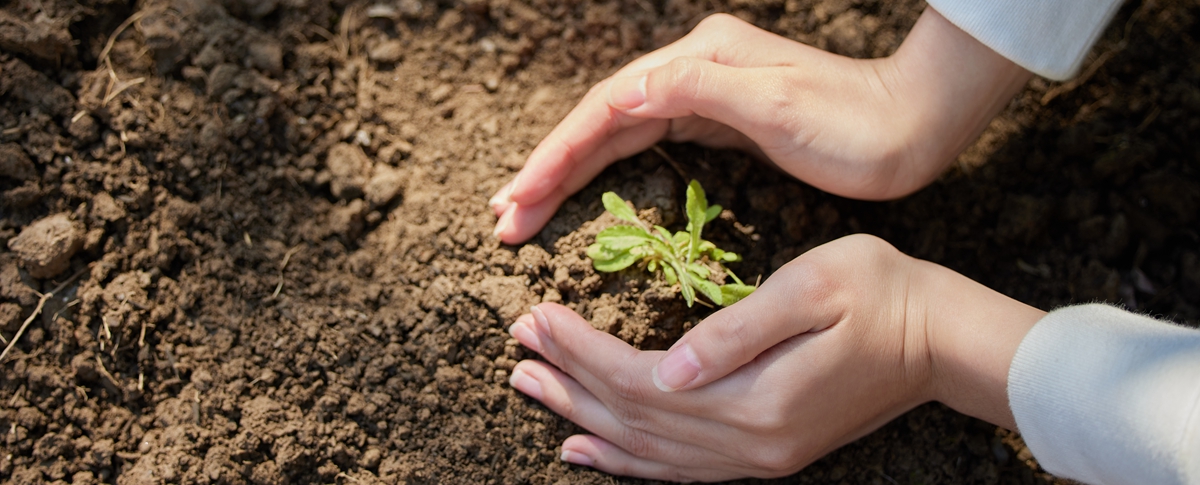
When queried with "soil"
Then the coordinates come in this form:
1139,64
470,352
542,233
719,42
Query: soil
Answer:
275,212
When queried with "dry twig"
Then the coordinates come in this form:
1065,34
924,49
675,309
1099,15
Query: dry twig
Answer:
286,257
104,372
675,165
38,310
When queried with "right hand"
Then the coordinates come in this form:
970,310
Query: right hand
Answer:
867,129
835,344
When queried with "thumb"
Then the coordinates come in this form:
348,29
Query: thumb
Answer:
794,303
692,86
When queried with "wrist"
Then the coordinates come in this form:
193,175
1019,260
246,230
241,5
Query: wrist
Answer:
972,335
953,86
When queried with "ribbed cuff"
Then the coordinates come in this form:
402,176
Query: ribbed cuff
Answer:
1048,37
1105,396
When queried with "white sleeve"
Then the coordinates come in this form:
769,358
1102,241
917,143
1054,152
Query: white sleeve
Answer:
1105,396
1048,37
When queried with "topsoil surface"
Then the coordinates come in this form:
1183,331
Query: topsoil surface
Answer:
275,214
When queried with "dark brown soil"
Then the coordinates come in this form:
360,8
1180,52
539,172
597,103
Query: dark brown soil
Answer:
276,211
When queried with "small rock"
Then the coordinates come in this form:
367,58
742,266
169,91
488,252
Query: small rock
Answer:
209,56
410,8
266,56
46,246
388,51
370,459
348,170
91,242
384,186
10,316
14,163
221,79
440,93
347,220
258,9
85,128
104,207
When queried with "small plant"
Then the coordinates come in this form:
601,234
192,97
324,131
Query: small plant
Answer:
678,255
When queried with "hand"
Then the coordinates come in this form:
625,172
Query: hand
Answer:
835,344
866,129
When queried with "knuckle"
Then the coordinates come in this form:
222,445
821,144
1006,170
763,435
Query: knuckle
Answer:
768,422
627,386
567,409
815,278
718,23
737,331
637,442
629,414
684,75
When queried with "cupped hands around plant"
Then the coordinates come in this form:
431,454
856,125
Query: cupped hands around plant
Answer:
861,128
679,255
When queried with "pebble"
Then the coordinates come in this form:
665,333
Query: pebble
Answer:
46,246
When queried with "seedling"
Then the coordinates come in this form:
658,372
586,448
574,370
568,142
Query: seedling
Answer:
680,256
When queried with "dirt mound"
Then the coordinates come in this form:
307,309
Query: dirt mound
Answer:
279,212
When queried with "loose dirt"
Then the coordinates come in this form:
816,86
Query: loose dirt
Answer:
279,211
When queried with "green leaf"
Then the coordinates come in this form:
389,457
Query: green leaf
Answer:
623,237
681,239
652,266
699,270
697,214
617,262
712,213
614,204
599,251
663,234
733,293
662,249
669,274
689,294
710,290
730,257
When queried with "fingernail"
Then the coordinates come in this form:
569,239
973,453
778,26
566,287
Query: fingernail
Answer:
504,195
540,318
526,336
677,369
576,458
501,196
526,384
505,220
627,92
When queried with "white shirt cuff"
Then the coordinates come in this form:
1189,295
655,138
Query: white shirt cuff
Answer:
1048,37
1105,396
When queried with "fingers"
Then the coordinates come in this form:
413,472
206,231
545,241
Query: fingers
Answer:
616,373
736,335
529,217
569,399
593,451
588,128
606,365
